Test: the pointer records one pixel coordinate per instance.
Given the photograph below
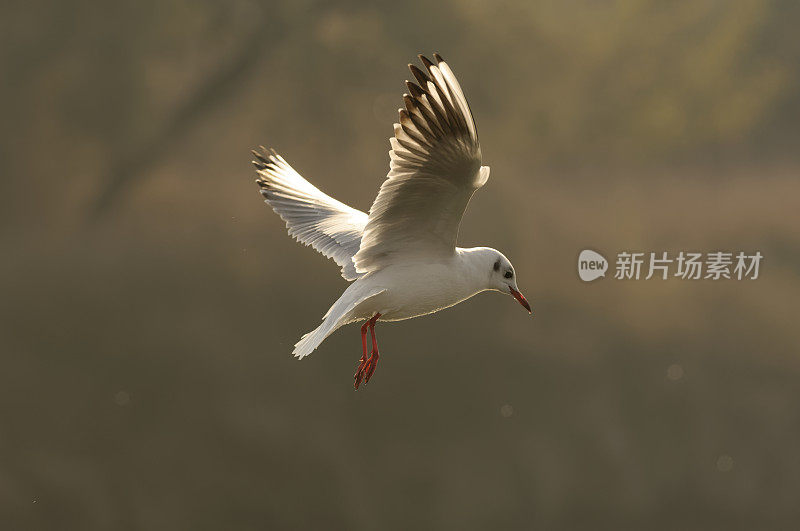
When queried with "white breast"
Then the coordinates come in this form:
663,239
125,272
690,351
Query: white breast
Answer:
418,289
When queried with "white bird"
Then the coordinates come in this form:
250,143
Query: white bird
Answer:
402,257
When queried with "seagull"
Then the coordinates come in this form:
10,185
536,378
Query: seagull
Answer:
402,257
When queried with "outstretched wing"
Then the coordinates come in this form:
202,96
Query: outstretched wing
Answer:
313,218
435,167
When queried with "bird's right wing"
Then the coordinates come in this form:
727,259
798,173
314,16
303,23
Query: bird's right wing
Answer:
312,217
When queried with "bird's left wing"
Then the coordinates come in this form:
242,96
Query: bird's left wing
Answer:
312,217
435,167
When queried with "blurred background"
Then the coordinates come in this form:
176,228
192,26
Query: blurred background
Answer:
150,300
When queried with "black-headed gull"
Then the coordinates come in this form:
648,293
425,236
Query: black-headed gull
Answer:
402,257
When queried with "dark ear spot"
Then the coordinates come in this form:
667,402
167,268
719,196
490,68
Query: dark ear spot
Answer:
497,265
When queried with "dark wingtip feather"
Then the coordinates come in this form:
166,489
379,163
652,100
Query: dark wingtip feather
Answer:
414,89
427,62
421,76
262,161
438,58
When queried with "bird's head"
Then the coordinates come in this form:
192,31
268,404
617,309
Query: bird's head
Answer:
500,275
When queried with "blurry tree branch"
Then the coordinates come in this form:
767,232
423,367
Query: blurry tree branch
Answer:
210,93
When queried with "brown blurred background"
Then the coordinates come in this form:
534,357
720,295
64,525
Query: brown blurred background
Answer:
150,299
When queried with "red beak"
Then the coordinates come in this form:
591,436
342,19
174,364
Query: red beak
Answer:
521,299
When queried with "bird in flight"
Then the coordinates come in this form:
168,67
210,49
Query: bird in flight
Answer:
402,257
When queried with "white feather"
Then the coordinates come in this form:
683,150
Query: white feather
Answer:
312,217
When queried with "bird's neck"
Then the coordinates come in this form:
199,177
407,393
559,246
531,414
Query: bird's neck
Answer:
473,269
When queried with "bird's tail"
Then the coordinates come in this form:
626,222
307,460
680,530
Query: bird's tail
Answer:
339,314
310,341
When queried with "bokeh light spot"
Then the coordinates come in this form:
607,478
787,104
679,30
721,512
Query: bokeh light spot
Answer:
675,372
725,463
122,398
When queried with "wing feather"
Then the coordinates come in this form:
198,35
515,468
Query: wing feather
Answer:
434,168
312,217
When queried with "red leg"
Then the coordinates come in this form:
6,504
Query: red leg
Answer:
374,355
359,375
367,365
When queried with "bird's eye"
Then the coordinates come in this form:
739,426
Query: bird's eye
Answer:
508,274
